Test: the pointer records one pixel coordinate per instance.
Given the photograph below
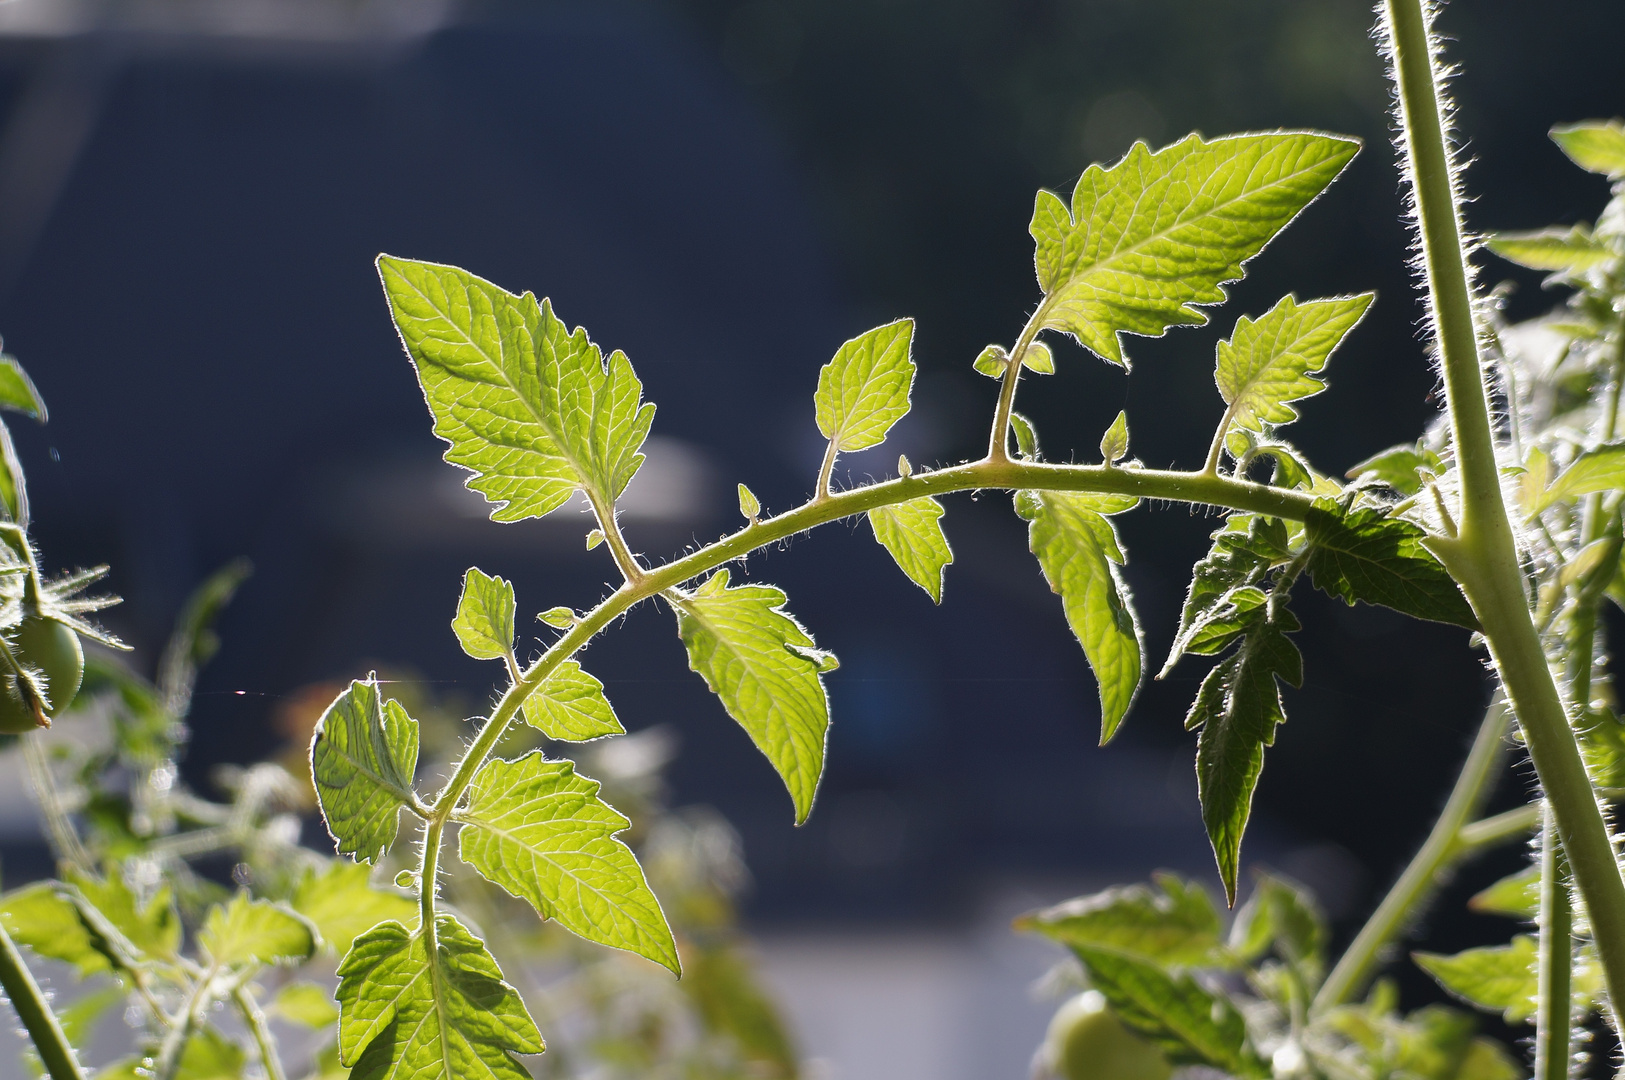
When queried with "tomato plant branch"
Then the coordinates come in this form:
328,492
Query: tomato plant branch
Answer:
998,448
1555,968
1483,557
35,1013
254,1017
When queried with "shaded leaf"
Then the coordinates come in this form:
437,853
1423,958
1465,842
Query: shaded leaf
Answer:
1173,924
740,641
1149,240
1235,560
343,903
1026,436
912,532
1285,917
1381,560
248,931
864,389
362,757
1595,145
540,831
209,1055
731,1003
109,906
484,622
1268,365
1403,467
1079,553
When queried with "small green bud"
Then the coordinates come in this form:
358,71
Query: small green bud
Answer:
595,538
1114,444
407,879
904,469
749,505
561,617
992,362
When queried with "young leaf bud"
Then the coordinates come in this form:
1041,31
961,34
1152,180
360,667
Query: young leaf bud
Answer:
749,505
1039,359
992,362
595,538
904,469
561,617
1114,444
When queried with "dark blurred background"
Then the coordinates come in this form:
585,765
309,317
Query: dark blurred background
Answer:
191,196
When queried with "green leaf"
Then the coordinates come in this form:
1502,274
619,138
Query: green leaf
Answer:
1189,1024
1516,896
864,390
530,408
1501,978
1567,251
110,907
912,532
750,507
343,903
1381,560
992,362
248,931
570,706
362,758
1601,469
1268,365
484,622
1149,240
721,984
1236,560
1174,924
38,917
209,1055
1114,444
17,391
560,618
1238,708
402,1016
1595,145
1038,359
306,1003
1079,553
742,643
1403,467
1283,916
1026,436
540,831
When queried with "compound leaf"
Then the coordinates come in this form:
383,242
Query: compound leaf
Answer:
1601,469
912,532
1367,556
248,931
864,390
1499,978
484,622
1147,241
404,1014
1595,145
754,657
1079,553
539,830
1566,251
343,903
570,706
1268,365
529,407
362,756
1175,924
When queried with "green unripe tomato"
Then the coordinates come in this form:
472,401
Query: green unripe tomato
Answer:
53,649
1086,1041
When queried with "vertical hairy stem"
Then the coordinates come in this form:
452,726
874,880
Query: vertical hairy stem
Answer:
1483,556
32,1009
1554,1017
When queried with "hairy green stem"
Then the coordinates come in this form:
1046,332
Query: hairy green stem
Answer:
39,1021
254,1017
1483,556
1439,853
1499,828
1554,1017
998,442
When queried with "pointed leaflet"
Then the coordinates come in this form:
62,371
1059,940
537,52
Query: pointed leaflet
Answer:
484,622
17,391
1078,551
765,668
1568,251
1175,924
570,706
863,391
1516,896
1235,560
1282,916
1364,555
343,903
1114,444
1595,145
362,757
245,931
1238,708
403,1017
540,831
1269,364
912,532
1148,240
1601,469
530,408
1501,978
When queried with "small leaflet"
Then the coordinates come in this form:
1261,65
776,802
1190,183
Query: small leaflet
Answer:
1268,365
738,640
912,532
17,391
248,931
1500,978
1595,145
1516,896
1078,550
305,1003
531,409
1038,359
363,757
1601,469
539,830
904,469
39,917
400,1020
992,362
594,538
1282,916
749,505
864,389
560,618
484,622
343,903
570,706
1026,436
1405,467
1175,923
1146,243
1564,251
1381,560
1114,444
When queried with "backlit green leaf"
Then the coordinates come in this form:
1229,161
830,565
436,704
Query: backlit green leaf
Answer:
1595,145
739,640
1268,365
40,918
1026,436
484,622
540,831
992,362
110,907
529,407
750,507
1285,917
1568,251
1237,559
404,1016
570,706
1038,359
343,903
1404,467
306,1003
362,758
1173,924
248,931
864,390
17,391
1516,896
209,1055
1079,553
1148,241
1114,444
560,618
1502,978
1380,560
1602,469
912,532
